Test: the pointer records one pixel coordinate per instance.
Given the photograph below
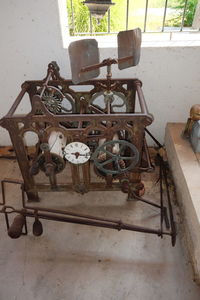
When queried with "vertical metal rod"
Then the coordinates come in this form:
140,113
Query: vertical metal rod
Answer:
75,174
3,193
24,166
147,155
164,17
7,221
90,23
184,11
172,223
86,173
25,226
161,197
145,18
127,13
23,196
109,20
72,9
52,181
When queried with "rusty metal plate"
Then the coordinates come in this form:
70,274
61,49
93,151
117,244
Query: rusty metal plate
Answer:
83,53
129,45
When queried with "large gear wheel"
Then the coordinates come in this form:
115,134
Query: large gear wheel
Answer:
102,175
108,161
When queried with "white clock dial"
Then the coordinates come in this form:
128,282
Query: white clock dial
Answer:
77,153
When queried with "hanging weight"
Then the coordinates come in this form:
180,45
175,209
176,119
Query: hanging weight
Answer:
15,230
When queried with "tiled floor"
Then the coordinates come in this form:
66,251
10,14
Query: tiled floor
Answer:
79,262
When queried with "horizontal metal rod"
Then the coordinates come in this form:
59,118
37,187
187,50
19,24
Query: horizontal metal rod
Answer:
105,62
178,29
94,186
118,226
87,117
69,213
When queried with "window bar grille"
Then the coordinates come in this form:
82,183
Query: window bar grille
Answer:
91,24
183,17
164,16
72,9
91,31
127,12
145,18
109,20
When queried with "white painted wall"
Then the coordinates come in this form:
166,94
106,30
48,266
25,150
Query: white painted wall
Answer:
31,37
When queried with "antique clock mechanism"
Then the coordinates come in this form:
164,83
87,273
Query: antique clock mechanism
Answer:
90,137
77,153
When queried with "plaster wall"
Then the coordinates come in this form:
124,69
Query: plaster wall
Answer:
31,37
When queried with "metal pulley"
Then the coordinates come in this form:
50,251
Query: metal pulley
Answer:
55,146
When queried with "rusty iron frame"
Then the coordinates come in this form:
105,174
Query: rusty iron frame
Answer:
83,219
42,122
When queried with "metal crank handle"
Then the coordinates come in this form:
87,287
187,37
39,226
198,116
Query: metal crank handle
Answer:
15,230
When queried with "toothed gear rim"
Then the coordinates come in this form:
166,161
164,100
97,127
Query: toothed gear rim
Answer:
52,102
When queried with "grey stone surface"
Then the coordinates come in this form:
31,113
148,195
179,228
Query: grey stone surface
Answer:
185,168
78,262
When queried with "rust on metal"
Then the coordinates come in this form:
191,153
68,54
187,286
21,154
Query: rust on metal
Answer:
90,129
129,45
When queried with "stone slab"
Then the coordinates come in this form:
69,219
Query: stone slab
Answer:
185,168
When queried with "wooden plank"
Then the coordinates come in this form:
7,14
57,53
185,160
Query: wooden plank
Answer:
7,152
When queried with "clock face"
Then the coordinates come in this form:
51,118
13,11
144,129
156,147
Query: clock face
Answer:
77,153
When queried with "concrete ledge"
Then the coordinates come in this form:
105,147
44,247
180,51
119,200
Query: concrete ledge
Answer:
185,168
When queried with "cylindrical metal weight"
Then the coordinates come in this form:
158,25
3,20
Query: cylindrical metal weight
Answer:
15,230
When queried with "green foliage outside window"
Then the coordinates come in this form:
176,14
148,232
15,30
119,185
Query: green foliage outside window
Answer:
81,22
82,19
179,5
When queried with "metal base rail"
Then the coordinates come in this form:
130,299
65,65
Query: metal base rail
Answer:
15,230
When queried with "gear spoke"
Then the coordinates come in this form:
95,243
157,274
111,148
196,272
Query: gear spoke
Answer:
108,152
127,157
119,166
106,162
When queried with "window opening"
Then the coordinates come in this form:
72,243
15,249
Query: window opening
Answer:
150,15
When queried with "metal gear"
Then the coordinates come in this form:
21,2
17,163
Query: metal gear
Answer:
104,157
52,101
102,175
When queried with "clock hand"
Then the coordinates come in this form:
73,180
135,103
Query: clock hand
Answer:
77,154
